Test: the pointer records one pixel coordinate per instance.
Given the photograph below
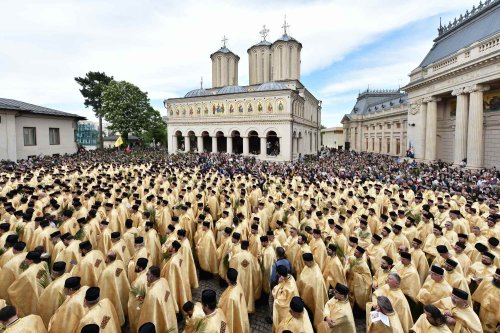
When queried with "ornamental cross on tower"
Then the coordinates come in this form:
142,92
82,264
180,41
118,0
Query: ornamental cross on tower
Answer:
224,40
264,32
285,27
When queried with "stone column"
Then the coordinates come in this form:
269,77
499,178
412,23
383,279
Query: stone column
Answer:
475,140
263,148
462,115
214,144
245,146
174,144
431,129
353,138
402,149
200,143
392,141
187,144
229,146
420,151
359,144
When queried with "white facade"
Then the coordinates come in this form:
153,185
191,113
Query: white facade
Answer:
378,123
275,120
454,94
12,138
333,137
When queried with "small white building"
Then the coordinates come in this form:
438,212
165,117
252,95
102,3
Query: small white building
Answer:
31,130
333,137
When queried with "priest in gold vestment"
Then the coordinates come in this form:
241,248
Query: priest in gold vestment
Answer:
194,314
297,320
399,303
91,265
283,293
435,287
14,324
159,307
333,271
25,290
68,315
431,321
115,286
312,288
214,320
232,303
384,306
206,250
100,312
249,276
460,317
50,298
359,279
487,295
337,314
172,271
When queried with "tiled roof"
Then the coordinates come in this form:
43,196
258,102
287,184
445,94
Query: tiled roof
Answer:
482,22
11,104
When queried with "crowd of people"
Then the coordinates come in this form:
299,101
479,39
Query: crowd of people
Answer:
103,240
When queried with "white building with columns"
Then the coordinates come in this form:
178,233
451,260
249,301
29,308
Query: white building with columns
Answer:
454,94
378,123
273,118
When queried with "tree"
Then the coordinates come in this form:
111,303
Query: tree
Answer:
127,109
157,133
92,87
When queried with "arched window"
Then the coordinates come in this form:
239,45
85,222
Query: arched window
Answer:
272,144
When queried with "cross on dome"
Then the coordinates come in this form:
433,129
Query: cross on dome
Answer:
285,26
224,40
264,32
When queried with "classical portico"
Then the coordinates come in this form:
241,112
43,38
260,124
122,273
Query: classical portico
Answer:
247,142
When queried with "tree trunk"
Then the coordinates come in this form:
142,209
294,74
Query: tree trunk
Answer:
101,142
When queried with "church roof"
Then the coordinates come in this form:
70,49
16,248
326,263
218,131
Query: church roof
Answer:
478,24
198,93
271,86
371,101
225,50
263,43
287,38
12,104
231,90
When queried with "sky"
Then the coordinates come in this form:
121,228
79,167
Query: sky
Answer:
164,46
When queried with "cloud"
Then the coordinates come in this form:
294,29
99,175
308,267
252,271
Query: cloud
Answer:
164,46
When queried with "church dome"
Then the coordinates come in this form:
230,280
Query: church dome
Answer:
231,90
197,93
286,38
262,43
271,86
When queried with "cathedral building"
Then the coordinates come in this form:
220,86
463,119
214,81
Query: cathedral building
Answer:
450,109
273,118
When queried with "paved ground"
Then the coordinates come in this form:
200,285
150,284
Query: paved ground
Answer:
258,322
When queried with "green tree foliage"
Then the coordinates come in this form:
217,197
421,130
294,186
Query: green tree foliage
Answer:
127,109
157,133
93,84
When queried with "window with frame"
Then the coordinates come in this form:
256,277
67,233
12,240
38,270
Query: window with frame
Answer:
54,137
29,134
